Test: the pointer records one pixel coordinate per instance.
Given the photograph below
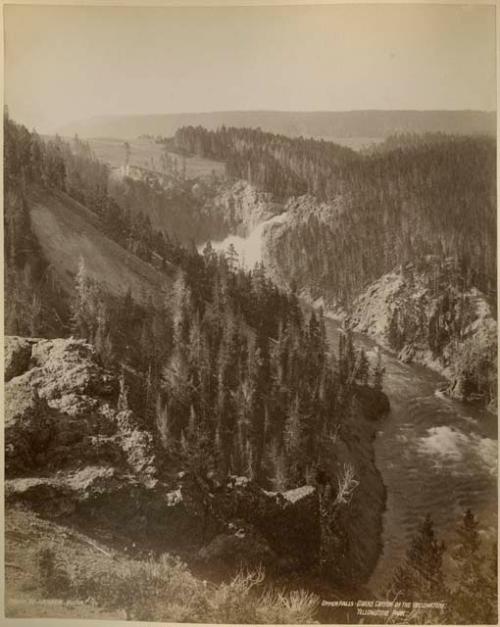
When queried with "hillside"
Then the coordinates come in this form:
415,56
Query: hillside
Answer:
320,124
358,216
67,232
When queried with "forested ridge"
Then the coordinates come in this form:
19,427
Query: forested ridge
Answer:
415,196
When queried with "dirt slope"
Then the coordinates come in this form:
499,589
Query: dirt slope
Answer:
68,231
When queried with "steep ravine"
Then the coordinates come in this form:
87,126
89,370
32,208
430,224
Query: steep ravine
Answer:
435,455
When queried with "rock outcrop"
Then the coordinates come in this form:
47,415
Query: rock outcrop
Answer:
62,413
17,356
452,332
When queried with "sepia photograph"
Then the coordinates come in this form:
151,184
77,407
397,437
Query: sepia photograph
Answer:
250,313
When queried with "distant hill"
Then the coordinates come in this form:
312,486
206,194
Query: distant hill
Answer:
321,124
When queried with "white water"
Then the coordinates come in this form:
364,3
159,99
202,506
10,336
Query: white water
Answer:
436,456
249,248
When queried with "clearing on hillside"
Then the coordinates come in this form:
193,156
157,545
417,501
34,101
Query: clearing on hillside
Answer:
146,153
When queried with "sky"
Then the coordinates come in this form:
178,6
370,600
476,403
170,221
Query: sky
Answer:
69,63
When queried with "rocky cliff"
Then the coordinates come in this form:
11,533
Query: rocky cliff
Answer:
296,249
239,207
451,331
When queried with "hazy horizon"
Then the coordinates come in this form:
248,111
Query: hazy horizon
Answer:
68,63
257,110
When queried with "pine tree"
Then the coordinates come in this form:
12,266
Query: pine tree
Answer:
81,324
362,367
421,578
279,466
209,255
162,422
394,335
232,257
228,379
293,438
474,599
102,339
378,373
259,382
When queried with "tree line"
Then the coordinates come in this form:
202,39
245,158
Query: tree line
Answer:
282,165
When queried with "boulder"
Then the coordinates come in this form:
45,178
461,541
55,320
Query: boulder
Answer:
407,353
119,507
69,372
62,412
372,404
245,548
17,356
271,513
29,428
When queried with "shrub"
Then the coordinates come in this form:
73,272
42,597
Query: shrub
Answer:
145,590
55,579
236,601
165,590
296,607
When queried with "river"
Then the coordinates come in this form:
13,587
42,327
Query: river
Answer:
435,455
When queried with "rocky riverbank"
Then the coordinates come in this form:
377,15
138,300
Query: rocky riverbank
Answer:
451,332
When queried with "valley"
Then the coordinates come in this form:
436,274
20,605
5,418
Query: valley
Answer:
435,455
200,387
250,313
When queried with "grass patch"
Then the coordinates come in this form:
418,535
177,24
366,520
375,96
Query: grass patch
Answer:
145,153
